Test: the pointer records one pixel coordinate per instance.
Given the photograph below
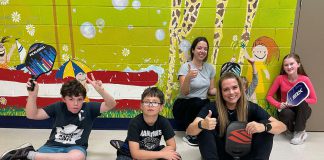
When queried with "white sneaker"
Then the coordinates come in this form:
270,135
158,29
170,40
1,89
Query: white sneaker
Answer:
299,137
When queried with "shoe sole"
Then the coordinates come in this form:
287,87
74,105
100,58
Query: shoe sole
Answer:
20,147
303,140
190,144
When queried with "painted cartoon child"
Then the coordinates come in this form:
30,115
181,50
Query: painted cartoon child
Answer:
264,52
4,56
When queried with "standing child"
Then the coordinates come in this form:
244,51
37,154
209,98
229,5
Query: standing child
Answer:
73,120
295,118
146,129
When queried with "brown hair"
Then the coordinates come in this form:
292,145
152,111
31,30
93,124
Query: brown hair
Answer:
241,107
194,44
300,70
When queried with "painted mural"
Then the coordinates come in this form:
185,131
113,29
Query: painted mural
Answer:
133,44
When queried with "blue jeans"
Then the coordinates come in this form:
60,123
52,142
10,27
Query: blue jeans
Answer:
60,149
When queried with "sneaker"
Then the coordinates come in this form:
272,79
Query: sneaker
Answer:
191,140
117,143
299,137
19,153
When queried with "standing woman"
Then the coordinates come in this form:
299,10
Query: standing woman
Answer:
295,118
196,79
232,105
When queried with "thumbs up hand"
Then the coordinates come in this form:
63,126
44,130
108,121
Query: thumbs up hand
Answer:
192,72
209,123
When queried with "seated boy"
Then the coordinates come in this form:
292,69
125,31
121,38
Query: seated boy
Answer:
73,120
146,129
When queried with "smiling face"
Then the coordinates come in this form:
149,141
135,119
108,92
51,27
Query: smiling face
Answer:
260,53
231,92
74,104
290,65
151,106
200,51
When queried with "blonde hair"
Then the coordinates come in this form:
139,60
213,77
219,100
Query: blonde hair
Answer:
241,106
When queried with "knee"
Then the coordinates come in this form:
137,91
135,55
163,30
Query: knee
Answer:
76,155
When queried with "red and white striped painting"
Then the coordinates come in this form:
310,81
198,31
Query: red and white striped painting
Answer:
125,87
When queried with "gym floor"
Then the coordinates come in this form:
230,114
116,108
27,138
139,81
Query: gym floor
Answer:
100,149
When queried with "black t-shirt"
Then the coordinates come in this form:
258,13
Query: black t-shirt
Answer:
149,137
255,113
71,129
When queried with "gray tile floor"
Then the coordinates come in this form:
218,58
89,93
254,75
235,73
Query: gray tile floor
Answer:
100,149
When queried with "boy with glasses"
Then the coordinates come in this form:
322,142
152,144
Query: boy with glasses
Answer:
146,130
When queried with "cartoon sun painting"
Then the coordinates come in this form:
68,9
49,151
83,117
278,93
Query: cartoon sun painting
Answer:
4,56
264,51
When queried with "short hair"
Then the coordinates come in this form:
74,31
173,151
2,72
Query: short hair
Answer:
153,92
73,88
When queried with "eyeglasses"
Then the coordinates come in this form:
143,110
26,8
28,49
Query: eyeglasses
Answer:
151,104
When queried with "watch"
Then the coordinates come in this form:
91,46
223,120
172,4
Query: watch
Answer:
267,126
199,125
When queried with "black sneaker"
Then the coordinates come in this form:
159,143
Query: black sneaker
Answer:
191,140
19,153
117,143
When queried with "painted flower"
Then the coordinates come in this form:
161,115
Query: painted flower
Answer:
125,52
3,101
65,57
65,48
30,29
15,16
4,2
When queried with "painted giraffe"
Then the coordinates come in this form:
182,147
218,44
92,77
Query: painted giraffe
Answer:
252,6
179,31
218,32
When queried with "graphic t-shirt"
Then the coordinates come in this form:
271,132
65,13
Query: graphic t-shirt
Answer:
71,129
149,137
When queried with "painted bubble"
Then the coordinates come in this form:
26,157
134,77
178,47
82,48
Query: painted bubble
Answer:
160,34
185,46
88,30
120,4
100,24
136,4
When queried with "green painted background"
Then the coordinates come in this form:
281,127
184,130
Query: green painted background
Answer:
134,29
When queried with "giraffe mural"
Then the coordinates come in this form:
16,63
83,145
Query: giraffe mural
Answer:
218,33
251,9
178,32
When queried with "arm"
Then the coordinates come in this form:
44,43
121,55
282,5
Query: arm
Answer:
32,112
255,127
185,80
109,101
166,153
272,91
208,123
312,98
212,89
252,86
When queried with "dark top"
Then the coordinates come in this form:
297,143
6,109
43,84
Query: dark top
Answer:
71,129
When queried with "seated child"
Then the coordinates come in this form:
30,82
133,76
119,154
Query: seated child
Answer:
146,129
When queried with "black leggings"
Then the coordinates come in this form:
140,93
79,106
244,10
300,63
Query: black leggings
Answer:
212,147
295,118
186,110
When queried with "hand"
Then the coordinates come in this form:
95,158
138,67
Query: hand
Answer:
170,154
254,127
192,72
97,84
209,123
284,105
32,83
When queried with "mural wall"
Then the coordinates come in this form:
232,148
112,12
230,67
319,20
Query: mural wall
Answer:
133,44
